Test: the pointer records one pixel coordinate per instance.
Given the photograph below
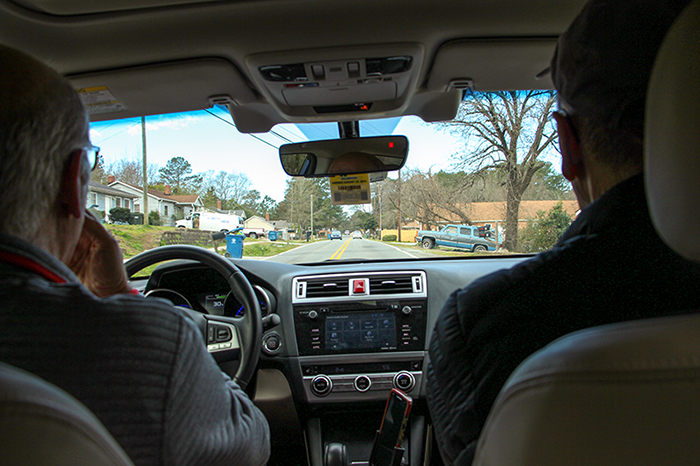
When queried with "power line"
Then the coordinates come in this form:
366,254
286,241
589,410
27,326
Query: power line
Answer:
229,123
119,132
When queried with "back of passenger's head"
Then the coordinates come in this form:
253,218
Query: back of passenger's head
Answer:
42,120
601,70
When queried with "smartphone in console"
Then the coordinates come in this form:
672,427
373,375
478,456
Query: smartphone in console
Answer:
392,429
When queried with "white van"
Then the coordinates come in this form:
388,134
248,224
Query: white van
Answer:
210,221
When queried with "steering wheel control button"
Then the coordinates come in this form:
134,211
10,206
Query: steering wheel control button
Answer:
221,337
321,385
362,383
272,343
223,333
404,381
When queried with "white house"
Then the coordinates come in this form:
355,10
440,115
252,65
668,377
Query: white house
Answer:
258,222
163,202
104,198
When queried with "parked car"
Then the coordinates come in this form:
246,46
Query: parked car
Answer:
474,239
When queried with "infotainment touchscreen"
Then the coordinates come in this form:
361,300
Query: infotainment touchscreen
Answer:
359,330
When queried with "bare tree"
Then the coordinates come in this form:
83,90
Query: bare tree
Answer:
436,199
505,131
230,188
131,171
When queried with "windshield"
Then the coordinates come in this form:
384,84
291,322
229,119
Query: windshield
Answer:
450,199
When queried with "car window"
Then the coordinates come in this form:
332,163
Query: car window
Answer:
199,162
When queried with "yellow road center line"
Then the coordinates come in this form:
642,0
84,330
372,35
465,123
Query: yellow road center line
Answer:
339,253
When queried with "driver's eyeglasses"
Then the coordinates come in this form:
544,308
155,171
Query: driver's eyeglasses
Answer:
93,155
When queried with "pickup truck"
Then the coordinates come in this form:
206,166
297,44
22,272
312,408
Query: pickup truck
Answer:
254,232
459,236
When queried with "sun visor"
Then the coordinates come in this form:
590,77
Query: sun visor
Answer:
162,88
492,65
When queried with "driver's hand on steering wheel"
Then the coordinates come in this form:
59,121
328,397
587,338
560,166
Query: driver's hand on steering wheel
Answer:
97,260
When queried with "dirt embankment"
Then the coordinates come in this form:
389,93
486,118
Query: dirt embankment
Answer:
134,239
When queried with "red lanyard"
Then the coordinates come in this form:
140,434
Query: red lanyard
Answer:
25,262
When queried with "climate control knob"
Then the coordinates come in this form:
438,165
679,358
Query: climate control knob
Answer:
362,383
404,381
321,385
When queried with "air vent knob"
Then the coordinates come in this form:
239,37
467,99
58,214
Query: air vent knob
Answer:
406,310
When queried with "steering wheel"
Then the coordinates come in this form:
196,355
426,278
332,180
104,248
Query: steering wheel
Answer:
245,333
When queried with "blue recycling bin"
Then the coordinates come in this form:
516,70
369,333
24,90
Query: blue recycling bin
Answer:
272,235
234,244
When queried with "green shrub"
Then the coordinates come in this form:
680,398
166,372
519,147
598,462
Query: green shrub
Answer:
154,218
119,214
389,238
544,231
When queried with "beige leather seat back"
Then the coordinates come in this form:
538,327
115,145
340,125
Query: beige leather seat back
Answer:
41,425
627,393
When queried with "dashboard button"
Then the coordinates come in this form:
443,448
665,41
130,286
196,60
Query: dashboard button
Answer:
272,343
313,315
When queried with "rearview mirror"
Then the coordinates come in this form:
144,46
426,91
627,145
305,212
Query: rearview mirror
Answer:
313,159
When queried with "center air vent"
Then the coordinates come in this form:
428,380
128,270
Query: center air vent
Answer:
324,288
328,288
391,284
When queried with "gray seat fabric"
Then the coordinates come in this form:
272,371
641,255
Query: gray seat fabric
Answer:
43,425
626,393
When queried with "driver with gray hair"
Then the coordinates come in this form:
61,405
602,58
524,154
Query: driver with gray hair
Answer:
68,314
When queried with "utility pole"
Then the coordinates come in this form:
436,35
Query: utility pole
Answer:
380,207
312,213
399,207
145,171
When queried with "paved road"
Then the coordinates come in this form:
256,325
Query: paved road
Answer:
347,249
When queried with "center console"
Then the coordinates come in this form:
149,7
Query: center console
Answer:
359,335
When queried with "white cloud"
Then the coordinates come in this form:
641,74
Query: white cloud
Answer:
171,122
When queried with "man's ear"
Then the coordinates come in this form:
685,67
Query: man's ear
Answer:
70,197
572,165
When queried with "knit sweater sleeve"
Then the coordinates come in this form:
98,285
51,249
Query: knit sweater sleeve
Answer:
209,419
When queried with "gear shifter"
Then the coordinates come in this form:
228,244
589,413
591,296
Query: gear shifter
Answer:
336,455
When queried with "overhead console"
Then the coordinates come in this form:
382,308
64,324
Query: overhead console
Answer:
342,84
359,335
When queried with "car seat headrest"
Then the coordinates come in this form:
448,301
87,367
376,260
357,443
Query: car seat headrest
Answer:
672,136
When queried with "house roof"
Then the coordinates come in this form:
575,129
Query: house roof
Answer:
176,198
257,217
102,189
488,212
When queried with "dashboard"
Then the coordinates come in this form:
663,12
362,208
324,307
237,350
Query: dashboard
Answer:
343,334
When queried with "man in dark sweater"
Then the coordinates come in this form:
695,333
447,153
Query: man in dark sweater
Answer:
66,311
609,266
